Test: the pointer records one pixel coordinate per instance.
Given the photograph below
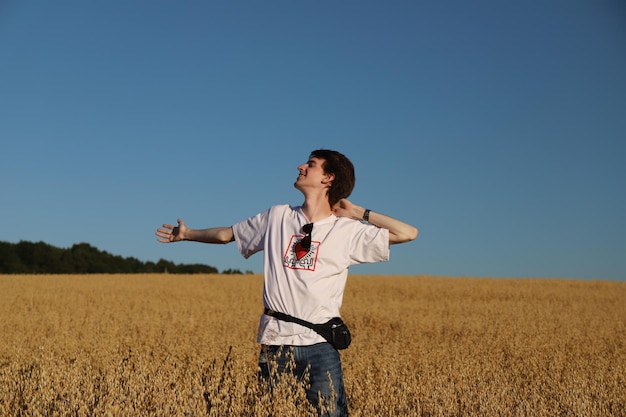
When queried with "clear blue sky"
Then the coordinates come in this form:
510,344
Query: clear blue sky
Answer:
497,128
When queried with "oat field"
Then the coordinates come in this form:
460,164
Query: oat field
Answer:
184,345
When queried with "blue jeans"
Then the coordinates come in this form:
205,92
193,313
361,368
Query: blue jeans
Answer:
317,362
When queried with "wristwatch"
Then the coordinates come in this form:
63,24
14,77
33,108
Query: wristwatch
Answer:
366,215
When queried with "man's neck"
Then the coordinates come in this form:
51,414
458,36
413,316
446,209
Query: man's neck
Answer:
316,209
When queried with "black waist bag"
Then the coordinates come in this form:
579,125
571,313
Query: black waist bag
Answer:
334,330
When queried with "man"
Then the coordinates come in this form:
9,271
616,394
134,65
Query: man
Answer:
307,252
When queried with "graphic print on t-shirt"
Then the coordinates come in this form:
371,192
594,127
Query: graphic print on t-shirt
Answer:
296,257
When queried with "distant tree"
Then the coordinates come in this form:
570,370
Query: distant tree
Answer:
196,269
86,259
232,272
82,258
150,267
39,258
10,261
165,266
134,265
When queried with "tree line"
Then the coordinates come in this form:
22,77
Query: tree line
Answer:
82,258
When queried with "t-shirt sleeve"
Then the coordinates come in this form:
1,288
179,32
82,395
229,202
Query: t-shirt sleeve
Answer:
250,234
369,244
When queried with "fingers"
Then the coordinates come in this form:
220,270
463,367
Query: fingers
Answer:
170,233
166,233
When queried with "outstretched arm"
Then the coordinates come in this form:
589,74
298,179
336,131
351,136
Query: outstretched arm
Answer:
169,233
399,232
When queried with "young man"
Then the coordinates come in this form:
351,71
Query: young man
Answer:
307,252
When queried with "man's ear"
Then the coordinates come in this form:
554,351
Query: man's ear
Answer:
328,179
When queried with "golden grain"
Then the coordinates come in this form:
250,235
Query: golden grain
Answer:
171,345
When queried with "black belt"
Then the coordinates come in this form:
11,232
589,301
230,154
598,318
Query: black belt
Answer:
287,317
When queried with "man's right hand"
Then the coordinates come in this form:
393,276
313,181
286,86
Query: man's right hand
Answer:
169,233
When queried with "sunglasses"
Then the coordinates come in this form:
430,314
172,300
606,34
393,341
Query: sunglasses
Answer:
306,240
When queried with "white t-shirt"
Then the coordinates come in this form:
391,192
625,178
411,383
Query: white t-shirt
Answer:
308,285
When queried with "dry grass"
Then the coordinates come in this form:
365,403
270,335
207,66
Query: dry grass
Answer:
169,345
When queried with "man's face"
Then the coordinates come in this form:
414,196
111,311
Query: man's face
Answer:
311,174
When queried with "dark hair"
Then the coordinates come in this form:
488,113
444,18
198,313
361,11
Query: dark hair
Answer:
339,165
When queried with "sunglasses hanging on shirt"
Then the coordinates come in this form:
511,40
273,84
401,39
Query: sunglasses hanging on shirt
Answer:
306,240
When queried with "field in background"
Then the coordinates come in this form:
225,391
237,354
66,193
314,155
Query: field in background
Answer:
172,345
